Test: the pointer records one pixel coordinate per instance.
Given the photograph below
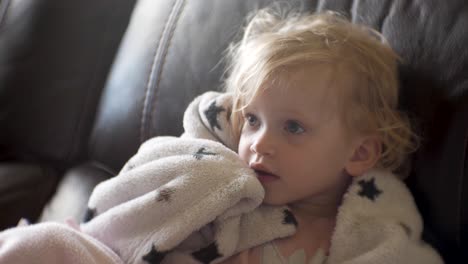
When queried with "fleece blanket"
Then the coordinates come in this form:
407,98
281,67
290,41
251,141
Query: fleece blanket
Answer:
192,200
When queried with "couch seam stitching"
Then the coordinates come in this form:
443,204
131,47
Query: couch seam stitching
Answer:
150,75
157,66
3,13
166,51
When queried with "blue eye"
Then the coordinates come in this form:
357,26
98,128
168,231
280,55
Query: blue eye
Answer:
251,119
293,127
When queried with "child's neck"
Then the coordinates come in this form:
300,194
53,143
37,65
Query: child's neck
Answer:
316,217
318,222
320,206
314,231
312,212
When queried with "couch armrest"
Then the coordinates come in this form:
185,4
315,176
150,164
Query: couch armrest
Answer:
24,190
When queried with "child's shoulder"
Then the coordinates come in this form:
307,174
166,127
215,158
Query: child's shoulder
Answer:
380,186
379,192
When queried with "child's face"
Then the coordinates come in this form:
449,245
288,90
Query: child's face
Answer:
296,139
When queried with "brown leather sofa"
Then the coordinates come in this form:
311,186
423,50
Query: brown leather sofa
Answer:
84,83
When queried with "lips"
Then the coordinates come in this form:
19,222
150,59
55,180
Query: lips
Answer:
263,174
264,177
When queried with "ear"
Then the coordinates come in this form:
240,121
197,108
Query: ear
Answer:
365,155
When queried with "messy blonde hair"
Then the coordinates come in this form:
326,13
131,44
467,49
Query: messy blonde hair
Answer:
272,42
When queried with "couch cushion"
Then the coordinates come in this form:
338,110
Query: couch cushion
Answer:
54,59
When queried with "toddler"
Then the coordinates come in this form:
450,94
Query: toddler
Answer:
292,165
315,107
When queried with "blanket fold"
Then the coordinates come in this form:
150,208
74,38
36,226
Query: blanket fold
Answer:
169,191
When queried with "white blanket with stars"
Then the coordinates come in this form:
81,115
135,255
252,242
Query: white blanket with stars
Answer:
191,200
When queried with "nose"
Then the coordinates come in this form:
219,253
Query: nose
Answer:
263,144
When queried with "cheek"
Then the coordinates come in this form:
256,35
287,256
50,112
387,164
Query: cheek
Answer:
244,149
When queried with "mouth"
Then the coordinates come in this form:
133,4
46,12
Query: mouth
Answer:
263,175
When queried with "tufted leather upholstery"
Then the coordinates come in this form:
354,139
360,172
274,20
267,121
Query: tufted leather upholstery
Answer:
64,118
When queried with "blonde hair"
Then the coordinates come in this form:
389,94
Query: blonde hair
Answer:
272,42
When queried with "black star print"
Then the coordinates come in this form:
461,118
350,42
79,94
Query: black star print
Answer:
89,214
369,189
212,115
289,218
207,254
165,195
201,152
154,257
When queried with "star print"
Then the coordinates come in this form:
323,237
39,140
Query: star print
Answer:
201,152
89,214
212,115
154,257
164,195
289,218
207,254
369,189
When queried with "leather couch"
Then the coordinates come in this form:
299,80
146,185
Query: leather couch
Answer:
84,83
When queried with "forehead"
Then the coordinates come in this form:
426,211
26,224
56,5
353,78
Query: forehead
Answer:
316,88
